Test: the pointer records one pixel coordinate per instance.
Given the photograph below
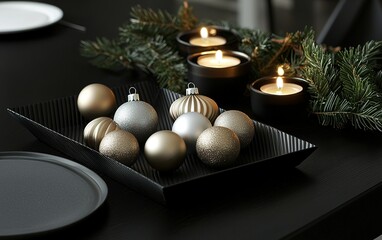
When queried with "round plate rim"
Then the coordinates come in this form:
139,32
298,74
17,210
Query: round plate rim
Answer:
44,7
68,164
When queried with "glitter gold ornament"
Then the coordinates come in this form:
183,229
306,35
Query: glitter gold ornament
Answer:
189,126
120,145
96,100
193,102
218,147
137,117
165,150
238,122
97,129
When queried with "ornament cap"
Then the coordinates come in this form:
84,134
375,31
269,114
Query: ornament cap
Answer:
133,95
191,89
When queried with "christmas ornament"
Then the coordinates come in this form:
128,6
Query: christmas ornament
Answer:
193,102
97,129
137,117
165,150
96,100
120,145
238,122
218,147
189,126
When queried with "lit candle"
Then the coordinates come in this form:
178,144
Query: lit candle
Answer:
207,41
218,60
279,87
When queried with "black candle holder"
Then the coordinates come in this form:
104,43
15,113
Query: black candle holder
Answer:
186,48
221,84
275,108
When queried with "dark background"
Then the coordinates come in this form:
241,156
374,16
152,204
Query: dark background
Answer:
334,194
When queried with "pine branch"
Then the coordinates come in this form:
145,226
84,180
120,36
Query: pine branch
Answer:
165,64
331,110
268,52
104,53
186,18
357,71
258,45
319,69
348,95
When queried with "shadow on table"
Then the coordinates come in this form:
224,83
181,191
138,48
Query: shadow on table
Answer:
237,188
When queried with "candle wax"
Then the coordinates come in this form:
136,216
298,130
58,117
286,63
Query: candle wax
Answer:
211,61
208,42
287,89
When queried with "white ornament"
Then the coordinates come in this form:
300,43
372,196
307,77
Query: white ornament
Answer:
189,126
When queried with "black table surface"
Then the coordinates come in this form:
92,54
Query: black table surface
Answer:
334,194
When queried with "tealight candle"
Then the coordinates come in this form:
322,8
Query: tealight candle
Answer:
207,41
218,76
279,87
279,98
217,60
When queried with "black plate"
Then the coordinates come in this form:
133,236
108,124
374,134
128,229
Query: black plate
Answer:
59,124
41,192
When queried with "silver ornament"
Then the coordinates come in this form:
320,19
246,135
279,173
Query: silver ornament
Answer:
189,126
96,100
165,150
218,147
137,117
193,102
238,122
121,146
97,129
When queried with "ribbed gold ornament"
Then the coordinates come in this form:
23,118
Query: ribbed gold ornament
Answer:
97,129
193,102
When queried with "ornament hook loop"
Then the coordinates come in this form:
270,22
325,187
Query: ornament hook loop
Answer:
191,89
133,95
131,89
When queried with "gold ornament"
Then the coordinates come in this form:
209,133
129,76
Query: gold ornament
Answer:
96,100
137,117
165,150
193,102
120,145
218,147
238,122
97,129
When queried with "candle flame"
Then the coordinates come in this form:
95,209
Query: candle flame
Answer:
279,83
204,32
280,71
219,56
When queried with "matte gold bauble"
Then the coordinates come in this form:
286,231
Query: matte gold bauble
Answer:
137,117
238,122
218,147
120,145
165,150
193,102
189,126
97,129
96,100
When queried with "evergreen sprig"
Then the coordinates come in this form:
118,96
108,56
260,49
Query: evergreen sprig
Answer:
342,87
147,43
345,85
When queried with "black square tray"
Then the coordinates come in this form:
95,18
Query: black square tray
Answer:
59,124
